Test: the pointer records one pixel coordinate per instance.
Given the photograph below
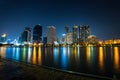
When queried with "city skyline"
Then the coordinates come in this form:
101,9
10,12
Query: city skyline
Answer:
102,16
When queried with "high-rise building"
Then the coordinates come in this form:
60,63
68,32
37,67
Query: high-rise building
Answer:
75,34
84,33
87,32
37,33
51,35
66,29
81,33
23,37
69,38
63,40
28,30
3,38
26,35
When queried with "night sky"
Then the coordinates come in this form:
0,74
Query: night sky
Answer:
103,16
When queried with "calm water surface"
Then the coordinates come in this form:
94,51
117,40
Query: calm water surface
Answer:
102,61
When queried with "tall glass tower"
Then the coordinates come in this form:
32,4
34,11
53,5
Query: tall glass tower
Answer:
87,32
81,33
37,33
25,35
75,34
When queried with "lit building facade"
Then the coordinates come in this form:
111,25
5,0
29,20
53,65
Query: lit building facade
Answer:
113,41
84,33
87,32
51,35
63,41
37,33
92,40
3,38
75,34
81,33
69,38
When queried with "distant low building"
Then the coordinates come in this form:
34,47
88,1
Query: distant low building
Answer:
44,40
3,38
113,41
92,39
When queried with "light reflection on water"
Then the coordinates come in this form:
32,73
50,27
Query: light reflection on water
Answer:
94,60
34,56
64,58
101,58
15,53
3,52
116,58
24,54
88,54
29,54
56,55
39,56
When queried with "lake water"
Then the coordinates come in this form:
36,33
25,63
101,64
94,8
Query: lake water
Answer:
101,61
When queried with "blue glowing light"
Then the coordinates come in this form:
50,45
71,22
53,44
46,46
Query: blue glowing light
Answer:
64,57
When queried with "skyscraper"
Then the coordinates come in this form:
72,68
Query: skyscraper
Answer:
28,30
66,29
26,35
81,33
87,32
51,35
69,38
23,37
37,33
75,34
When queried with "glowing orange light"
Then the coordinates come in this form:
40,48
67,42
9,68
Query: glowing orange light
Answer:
34,44
39,56
88,54
34,55
39,44
116,57
2,52
115,42
100,42
75,53
101,57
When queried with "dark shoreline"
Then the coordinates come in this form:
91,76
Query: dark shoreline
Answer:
23,71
